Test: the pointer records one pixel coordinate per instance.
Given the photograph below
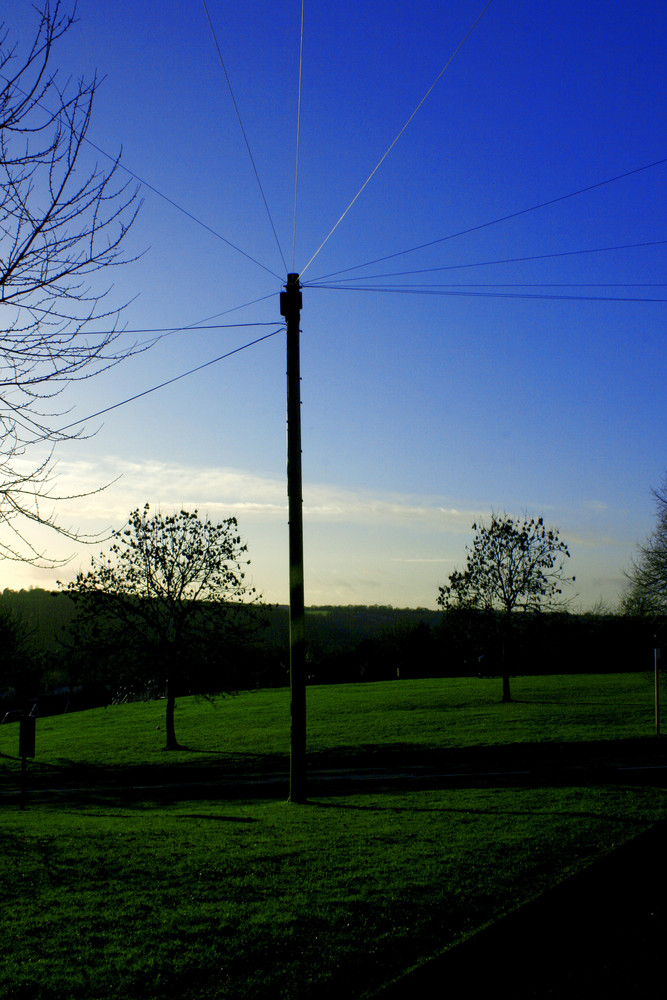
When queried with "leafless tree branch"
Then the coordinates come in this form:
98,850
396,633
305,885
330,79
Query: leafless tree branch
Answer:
61,222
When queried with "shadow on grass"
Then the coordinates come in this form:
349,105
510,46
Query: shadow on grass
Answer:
224,819
629,821
183,749
106,815
119,807
602,702
343,771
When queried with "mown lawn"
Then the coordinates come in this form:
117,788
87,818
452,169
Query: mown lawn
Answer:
252,728
146,895
214,899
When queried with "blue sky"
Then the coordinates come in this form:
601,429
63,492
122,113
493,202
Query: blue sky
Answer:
516,384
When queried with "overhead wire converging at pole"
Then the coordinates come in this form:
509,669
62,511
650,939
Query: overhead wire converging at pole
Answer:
487,263
334,280
170,381
495,222
163,332
243,131
144,183
438,290
184,211
298,134
391,146
193,327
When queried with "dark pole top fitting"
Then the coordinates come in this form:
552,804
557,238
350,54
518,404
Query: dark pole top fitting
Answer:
291,300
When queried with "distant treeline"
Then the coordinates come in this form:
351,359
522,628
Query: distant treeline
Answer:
344,644
352,644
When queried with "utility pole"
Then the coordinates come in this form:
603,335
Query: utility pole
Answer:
290,308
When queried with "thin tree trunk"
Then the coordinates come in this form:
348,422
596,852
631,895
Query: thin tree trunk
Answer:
506,684
172,742
170,662
505,659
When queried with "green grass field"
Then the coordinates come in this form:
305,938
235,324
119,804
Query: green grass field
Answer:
120,896
252,728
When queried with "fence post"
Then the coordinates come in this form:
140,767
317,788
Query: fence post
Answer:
656,670
27,726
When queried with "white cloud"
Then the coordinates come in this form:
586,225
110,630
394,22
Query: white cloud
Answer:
444,560
225,490
362,546
595,505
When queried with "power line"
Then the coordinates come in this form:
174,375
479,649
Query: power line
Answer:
144,183
167,330
439,290
226,312
298,133
184,211
388,151
485,263
516,284
176,378
164,332
495,222
245,137
194,327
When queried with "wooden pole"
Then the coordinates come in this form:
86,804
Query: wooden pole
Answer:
290,308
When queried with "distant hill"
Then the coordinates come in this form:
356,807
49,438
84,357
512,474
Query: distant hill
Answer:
359,642
45,613
329,627
341,626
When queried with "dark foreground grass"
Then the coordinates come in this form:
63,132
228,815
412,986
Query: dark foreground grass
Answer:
241,899
113,892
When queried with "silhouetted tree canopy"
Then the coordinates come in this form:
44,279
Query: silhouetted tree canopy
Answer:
647,592
514,565
21,661
170,589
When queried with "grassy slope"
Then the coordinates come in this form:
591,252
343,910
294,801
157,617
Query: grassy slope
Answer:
253,726
241,899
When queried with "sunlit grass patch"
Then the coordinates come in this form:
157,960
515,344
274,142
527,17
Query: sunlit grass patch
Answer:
252,728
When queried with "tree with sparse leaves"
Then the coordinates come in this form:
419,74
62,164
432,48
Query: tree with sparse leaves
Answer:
647,590
514,565
63,219
169,587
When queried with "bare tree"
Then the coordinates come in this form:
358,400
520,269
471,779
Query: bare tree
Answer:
513,566
62,220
